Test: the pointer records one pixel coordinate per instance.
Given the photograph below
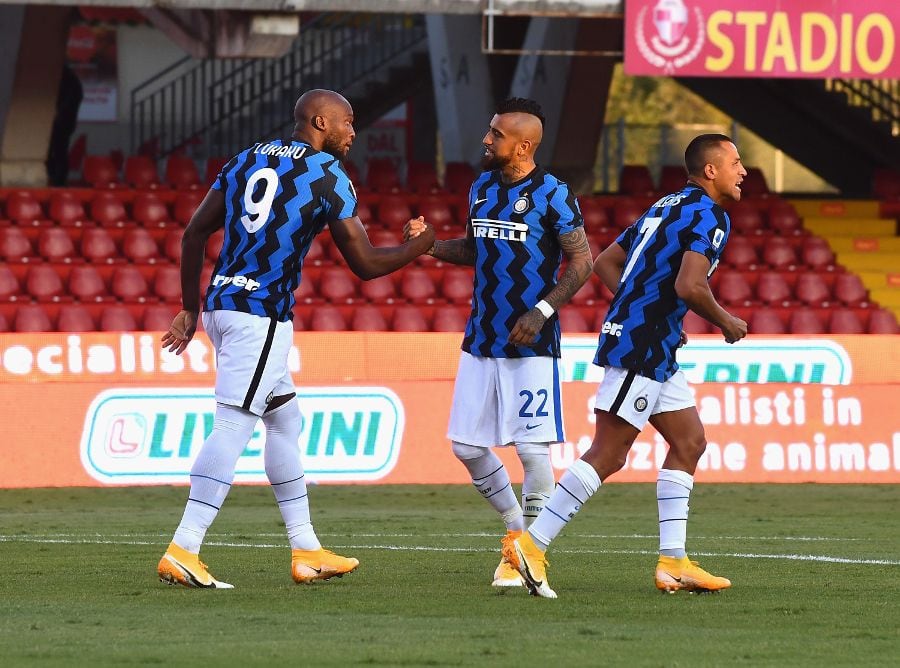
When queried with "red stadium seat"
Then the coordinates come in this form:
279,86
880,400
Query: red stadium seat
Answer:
772,288
181,172
75,318
128,284
394,212
23,208
417,286
882,321
783,218
167,283
98,246
307,291
382,238
32,318
594,213
845,321
740,253
364,213
368,318
382,175
849,289
754,184
672,179
158,317
9,285
636,180
140,172
151,211
812,289
44,284
99,171
409,318
15,245
456,285
779,253
625,211
86,284
746,217
172,245
450,319
5,324
572,322
766,321
378,290
337,285
815,253
67,210
734,289
185,204
213,167
586,295
352,172
805,321
108,209
458,177
422,177
138,246
437,214
327,318
117,318
695,324
55,245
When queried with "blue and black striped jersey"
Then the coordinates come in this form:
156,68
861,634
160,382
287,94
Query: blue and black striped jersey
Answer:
517,258
278,196
642,329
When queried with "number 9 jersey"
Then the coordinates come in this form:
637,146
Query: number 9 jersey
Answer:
278,196
642,329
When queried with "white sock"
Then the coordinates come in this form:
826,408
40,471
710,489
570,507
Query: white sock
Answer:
673,491
285,473
212,473
538,483
572,491
492,481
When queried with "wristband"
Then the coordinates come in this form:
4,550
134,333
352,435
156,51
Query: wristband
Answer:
545,308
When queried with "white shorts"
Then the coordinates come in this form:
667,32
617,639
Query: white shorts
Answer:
251,358
634,398
499,401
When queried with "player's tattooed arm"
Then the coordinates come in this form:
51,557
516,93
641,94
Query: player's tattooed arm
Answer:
578,269
456,251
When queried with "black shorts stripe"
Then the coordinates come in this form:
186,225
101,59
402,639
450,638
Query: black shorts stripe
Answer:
261,365
623,392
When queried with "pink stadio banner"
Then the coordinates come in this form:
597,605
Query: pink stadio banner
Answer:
763,38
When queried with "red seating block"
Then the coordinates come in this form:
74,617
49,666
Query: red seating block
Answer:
456,285
75,318
184,206
849,289
393,212
172,245
625,211
766,321
636,180
450,319
817,254
754,184
44,284
382,175
158,317
32,318
167,283
99,171
67,210
138,246
417,286
779,253
55,245
746,217
773,288
672,179
23,208
572,322
181,172
378,290
140,172
409,318
15,245
213,167
327,318
805,321
458,177
128,284
337,285
86,284
845,321
97,246
740,253
422,177
695,324
594,213
734,289
368,318
108,209
882,321
9,285
151,211
118,318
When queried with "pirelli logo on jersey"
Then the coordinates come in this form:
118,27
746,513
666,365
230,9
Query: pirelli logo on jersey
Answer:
489,228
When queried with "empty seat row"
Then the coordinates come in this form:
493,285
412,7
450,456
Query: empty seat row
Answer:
75,317
777,252
637,180
140,171
413,284
91,284
744,288
805,320
72,208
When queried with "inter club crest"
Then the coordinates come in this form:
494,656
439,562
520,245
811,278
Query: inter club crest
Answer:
676,34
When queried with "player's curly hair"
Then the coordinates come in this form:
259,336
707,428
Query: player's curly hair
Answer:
522,105
696,155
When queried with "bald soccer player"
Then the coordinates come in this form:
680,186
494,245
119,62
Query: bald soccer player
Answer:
522,221
272,198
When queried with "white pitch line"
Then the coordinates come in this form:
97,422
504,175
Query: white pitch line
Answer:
427,548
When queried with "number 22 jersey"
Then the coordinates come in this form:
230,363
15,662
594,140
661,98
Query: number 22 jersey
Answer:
278,196
642,329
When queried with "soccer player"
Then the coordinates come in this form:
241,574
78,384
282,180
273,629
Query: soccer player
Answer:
273,199
522,220
657,268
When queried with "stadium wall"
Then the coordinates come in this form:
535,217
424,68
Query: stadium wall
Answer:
114,409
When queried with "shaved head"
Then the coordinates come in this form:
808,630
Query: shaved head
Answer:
324,120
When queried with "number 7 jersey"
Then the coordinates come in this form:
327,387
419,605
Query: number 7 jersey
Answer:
642,329
278,196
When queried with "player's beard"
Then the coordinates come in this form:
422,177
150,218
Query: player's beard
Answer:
493,161
336,146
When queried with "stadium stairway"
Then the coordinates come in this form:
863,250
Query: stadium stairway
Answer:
863,242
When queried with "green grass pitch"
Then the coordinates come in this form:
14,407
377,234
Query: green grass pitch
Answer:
815,571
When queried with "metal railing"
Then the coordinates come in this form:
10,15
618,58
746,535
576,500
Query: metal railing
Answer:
218,107
882,96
